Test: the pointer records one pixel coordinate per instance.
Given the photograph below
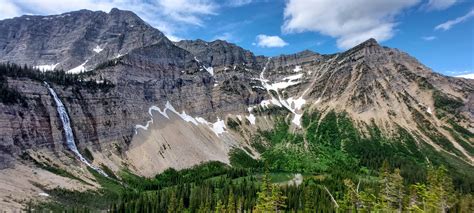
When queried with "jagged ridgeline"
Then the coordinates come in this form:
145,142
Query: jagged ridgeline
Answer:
208,126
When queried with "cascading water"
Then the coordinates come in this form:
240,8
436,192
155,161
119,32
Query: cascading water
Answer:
68,130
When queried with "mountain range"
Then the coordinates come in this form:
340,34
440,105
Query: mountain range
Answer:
140,102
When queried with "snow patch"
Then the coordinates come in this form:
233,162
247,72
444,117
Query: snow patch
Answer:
297,119
266,103
44,68
291,104
210,70
296,104
279,85
78,69
293,77
218,127
251,118
258,87
43,194
297,69
97,49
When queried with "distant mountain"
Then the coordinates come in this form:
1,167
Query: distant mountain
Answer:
166,104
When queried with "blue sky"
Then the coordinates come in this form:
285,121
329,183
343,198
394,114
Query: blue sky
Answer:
440,33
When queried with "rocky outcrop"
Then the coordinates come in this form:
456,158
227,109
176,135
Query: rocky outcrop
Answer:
220,53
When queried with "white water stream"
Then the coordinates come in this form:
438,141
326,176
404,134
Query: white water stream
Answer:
68,131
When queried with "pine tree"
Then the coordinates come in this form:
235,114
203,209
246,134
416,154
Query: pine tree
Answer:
219,207
417,197
240,204
384,186
398,190
309,203
391,188
173,204
277,200
441,195
180,205
351,200
231,203
264,195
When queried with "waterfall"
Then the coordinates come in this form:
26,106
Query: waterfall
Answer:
68,131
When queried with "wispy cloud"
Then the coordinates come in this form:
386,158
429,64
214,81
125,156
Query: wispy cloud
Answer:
227,36
439,4
270,41
428,38
449,24
350,22
238,3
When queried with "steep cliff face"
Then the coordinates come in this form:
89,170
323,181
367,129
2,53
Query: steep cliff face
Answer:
171,103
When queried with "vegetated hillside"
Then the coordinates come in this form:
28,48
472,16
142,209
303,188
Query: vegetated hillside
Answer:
333,118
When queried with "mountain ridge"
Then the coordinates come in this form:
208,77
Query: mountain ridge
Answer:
176,104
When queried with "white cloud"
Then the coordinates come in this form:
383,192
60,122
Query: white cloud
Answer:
238,3
447,25
270,41
187,11
351,22
469,76
428,38
8,9
227,36
439,4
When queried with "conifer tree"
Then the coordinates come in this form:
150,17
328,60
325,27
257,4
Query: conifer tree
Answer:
173,204
264,195
231,203
309,204
219,207
277,200
351,197
180,205
441,195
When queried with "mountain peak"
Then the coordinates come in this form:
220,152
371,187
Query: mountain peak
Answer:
370,42
369,46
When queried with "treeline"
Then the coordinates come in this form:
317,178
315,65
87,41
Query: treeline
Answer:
59,77
387,193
